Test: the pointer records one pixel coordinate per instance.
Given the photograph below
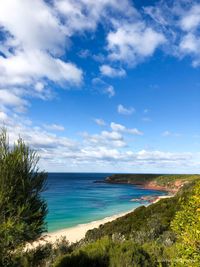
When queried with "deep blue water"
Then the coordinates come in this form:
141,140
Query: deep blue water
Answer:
74,198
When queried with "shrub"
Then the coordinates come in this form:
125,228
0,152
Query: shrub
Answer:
22,210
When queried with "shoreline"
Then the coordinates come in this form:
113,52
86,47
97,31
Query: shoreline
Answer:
76,233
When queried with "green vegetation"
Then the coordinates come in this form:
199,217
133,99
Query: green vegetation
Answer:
106,252
132,178
166,181
186,225
166,233
22,211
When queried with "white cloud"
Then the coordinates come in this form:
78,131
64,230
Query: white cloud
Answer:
102,87
121,128
54,127
33,39
132,42
31,25
190,20
26,70
100,122
84,15
11,99
110,91
103,151
156,13
190,45
105,139
125,111
3,117
162,156
25,67
107,70
180,22
39,139
39,87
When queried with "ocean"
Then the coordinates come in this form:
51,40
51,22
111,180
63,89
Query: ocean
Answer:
75,198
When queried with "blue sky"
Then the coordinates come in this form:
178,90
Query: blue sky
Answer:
103,86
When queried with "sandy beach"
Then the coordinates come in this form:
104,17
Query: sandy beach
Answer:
78,232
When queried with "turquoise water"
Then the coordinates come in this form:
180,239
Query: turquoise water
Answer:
74,198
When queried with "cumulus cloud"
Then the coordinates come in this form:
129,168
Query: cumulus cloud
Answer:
190,45
33,39
25,67
121,128
84,15
105,139
39,87
41,140
109,71
34,33
133,42
106,149
33,26
11,99
34,47
190,20
125,111
54,127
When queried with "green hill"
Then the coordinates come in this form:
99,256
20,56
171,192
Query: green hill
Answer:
168,182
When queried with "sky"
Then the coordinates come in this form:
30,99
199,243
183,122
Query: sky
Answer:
103,86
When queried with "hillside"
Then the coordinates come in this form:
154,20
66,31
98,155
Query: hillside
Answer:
166,182
165,233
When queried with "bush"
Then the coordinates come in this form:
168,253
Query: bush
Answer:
186,225
22,211
106,253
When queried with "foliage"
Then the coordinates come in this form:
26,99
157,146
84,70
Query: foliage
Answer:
106,253
43,255
186,225
93,254
166,180
142,225
141,238
22,211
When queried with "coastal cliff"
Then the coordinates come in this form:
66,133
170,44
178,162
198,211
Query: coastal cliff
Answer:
164,182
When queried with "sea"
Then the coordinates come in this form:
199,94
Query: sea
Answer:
76,198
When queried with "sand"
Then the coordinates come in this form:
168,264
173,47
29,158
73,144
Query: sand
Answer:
73,234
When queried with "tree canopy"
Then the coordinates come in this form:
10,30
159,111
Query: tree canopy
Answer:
22,210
